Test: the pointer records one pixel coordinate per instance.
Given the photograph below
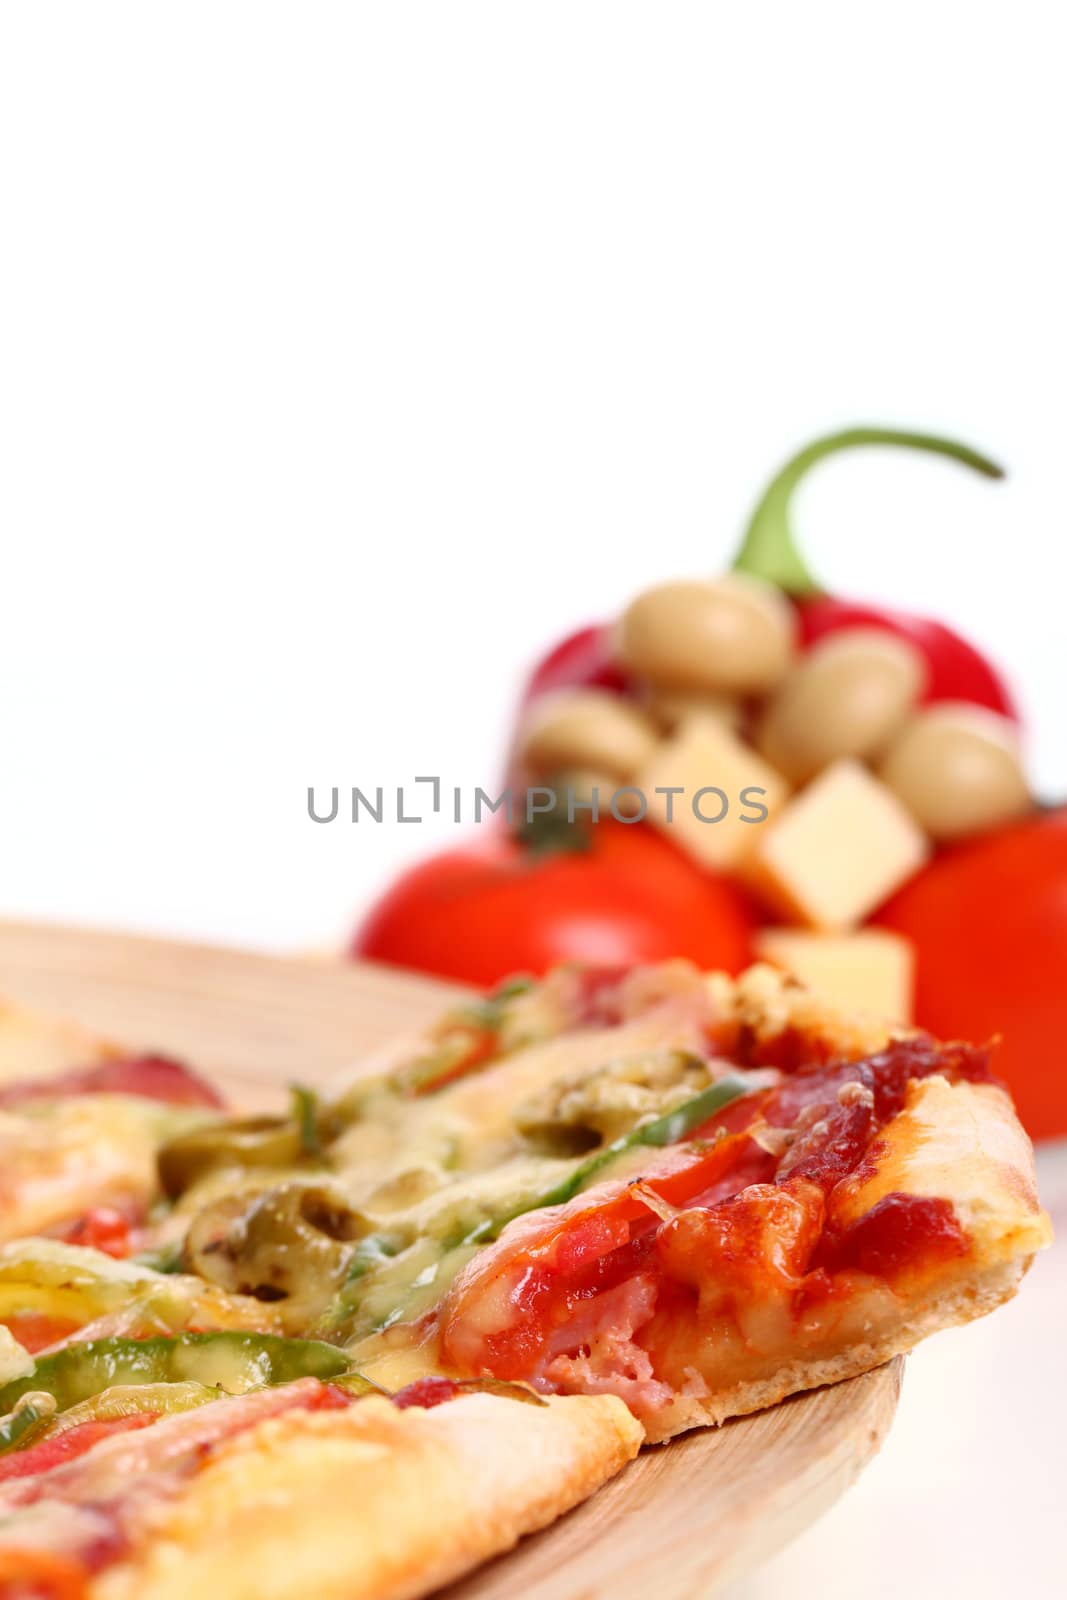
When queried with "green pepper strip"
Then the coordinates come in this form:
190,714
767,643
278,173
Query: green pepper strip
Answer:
306,1116
369,1253
671,1128
769,549
25,1423
131,1399
166,1259
484,1016
489,1012
233,1361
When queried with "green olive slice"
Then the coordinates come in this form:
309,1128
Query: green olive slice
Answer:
241,1142
290,1244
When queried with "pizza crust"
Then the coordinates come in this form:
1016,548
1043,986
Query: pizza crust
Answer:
960,1142
373,1501
948,1308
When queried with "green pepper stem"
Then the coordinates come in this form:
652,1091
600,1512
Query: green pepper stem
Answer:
769,549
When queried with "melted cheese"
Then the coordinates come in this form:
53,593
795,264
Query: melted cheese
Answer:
464,1160
470,1128
60,1157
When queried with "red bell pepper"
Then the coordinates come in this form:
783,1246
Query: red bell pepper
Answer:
582,660
957,671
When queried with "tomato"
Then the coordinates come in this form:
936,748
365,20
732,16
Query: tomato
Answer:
36,1330
426,1393
989,923
487,909
101,1228
583,660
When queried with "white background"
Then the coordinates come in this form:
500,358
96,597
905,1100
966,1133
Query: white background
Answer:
348,354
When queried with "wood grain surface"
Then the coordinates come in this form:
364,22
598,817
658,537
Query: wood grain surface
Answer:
253,1022
682,1520
687,1517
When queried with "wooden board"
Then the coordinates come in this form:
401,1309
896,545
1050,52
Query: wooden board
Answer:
252,1022
681,1521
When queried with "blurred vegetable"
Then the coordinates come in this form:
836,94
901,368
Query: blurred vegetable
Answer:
100,1228
754,682
625,895
956,670
30,1415
232,1362
583,660
988,919
588,728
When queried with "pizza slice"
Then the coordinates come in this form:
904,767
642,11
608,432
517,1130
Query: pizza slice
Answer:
829,1196
709,1196
164,1485
650,1200
80,1123
809,1232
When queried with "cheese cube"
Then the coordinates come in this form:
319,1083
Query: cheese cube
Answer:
703,754
837,850
872,970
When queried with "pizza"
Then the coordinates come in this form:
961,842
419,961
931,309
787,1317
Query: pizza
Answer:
148,1416
80,1123
426,1312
